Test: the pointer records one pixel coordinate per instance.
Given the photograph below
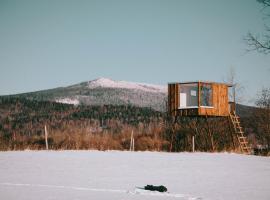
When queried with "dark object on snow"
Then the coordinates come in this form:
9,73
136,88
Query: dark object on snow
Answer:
160,188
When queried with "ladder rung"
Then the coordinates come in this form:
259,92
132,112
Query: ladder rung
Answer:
240,132
242,137
242,140
243,143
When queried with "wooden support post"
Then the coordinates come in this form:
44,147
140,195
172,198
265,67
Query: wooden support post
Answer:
199,97
131,147
46,138
234,96
231,131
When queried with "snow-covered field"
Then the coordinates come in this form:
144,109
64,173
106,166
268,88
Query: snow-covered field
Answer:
78,175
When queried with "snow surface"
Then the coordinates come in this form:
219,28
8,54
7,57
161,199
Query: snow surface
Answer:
31,175
108,83
73,100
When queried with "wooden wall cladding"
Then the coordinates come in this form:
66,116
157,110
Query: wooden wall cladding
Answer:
220,102
173,98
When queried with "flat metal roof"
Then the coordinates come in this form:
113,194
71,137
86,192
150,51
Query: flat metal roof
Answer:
190,82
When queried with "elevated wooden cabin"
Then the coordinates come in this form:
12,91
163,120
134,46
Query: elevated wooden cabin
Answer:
199,99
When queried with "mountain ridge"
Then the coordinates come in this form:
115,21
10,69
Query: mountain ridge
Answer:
103,91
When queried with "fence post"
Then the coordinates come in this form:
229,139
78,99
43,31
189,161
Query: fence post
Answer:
46,138
131,147
193,143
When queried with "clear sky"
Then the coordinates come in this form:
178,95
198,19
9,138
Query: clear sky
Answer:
53,43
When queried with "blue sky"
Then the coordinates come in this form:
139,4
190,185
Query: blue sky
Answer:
47,44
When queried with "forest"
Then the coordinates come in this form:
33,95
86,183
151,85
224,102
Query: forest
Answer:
109,127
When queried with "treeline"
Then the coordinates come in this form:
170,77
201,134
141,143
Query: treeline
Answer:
109,127
22,123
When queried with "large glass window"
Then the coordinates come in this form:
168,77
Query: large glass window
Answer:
206,98
188,95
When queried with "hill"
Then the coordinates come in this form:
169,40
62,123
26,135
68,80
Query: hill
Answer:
101,127
104,91
101,114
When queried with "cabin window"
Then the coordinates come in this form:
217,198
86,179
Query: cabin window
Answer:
188,95
206,98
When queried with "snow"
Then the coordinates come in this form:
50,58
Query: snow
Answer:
31,175
73,101
108,83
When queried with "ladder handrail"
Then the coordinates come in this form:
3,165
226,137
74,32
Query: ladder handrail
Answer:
238,129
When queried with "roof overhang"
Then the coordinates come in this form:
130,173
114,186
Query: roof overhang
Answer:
209,82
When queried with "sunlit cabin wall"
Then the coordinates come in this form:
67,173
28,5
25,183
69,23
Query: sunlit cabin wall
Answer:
220,102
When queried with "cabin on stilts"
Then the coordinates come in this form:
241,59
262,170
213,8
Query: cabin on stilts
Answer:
206,99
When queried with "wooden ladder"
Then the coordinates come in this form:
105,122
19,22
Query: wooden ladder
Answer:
242,140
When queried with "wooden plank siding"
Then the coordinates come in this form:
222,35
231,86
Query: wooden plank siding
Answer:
219,101
173,98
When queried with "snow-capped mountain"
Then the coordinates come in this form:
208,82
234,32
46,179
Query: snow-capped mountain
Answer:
104,91
108,83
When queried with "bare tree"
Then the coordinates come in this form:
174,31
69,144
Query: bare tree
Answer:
262,116
260,43
237,92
